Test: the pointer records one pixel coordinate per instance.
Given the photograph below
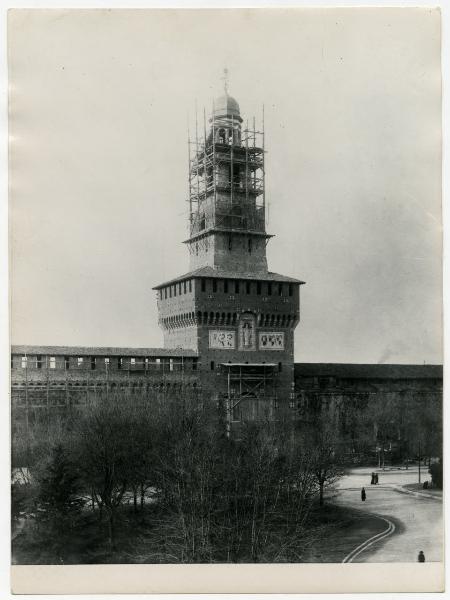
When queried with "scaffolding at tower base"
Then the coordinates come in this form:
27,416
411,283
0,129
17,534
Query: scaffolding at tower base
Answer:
226,188
251,391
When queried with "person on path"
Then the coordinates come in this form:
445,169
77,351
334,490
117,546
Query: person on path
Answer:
376,478
372,482
421,557
363,494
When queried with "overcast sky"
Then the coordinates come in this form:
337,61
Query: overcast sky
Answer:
100,102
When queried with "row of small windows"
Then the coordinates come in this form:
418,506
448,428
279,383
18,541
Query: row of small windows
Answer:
94,362
227,286
237,286
176,289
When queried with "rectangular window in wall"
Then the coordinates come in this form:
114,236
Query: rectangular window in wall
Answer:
203,285
179,289
290,289
212,365
93,363
24,362
280,289
214,285
175,290
165,293
225,286
170,364
184,286
79,361
132,362
247,287
258,288
106,362
269,288
160,294
66,363
52,362
190,285
38,362
236,287
194,364
170,291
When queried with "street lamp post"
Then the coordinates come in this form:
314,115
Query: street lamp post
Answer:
419,461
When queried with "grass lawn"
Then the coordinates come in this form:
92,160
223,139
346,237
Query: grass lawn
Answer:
332,533
343,530
418,487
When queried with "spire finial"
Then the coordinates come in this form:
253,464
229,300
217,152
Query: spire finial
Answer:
225,80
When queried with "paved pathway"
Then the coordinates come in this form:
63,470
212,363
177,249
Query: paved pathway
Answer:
417,518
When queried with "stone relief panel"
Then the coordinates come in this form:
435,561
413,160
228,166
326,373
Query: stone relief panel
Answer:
271,340
222,338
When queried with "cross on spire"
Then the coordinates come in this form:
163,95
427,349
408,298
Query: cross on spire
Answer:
225,80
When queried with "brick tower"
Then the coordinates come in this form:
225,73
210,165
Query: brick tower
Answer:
236,314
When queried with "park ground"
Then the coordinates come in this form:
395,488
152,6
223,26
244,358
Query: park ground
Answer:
396,521
415,516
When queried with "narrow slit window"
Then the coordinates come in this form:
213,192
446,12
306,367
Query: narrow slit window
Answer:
290,289
66,363
38,362
93,363
190,285
24,362
79,361
52,362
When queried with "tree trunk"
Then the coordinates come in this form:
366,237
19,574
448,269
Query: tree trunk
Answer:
142,496
111,531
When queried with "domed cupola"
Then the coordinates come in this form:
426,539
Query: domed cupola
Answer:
227,106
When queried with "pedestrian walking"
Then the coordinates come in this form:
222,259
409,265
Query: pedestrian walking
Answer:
363,495
372,481
376,478
421,557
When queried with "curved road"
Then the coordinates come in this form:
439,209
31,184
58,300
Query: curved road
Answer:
417,520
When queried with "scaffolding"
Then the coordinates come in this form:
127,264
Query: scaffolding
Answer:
226,177
251,391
